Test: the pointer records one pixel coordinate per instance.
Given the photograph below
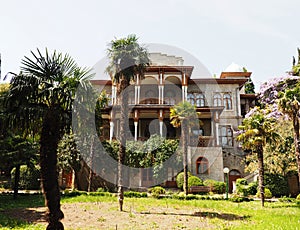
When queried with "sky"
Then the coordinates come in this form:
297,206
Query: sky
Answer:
262,36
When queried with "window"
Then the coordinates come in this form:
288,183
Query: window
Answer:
147,174
191,98
202,165
200,100
170,98
226,135
217,100
131,98
227,101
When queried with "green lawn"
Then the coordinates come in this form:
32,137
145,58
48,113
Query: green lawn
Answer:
218,214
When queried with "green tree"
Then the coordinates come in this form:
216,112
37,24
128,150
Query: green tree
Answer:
16,151
184,114
128,60
43,92
249,87
289,104
256,131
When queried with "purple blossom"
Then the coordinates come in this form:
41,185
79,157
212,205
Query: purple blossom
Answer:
269,90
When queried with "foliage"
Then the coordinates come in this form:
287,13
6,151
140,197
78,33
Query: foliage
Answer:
157,191
298,197
245,189
135,194
180,178
267,193
277,184
194,181
238,199
249,87
151,153
68,154
256,131
216,186
29,177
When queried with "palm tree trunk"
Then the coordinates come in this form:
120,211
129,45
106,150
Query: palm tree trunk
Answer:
122,149
17,180
185,166
261,175
297,145
50,136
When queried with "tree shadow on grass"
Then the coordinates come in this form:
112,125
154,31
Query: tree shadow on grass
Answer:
223,216
21,216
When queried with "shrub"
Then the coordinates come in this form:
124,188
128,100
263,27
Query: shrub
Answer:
157,191
194,181
135,194
216,186
298,197
277,184
287,199
180,179
245,189
268,193
29,177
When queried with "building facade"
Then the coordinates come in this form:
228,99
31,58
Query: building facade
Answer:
221,103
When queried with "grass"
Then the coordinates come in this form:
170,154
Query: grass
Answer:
219,214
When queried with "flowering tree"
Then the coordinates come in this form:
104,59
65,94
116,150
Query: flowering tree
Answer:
256,131
283,94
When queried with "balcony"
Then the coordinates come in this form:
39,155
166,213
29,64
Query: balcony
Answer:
203,141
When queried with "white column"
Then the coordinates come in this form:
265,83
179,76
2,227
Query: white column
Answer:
111,130
217,133
162,94
159,94
138,93
136,130
135,94
161,123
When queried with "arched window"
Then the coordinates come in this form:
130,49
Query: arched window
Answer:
191,98
200,100
170,98
131,98
227,101
226,135
202,165
150,97
217,99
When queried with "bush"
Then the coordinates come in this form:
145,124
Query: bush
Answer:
194,181
157,191
268,193
239,199
245,189
29,177
216,186
277,184
180,179
287,199
298,197
135,194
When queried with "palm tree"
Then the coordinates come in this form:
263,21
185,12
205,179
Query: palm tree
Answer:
256,131
184,114
128,60
43,93
289,104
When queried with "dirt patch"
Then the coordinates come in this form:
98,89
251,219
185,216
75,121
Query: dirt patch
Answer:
105,215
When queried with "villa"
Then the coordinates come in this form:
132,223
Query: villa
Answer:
221,101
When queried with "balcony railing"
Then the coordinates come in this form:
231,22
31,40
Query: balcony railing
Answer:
203,141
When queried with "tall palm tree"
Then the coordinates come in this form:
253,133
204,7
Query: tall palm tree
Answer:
128,60
43,93
184,114
289,104
256,131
